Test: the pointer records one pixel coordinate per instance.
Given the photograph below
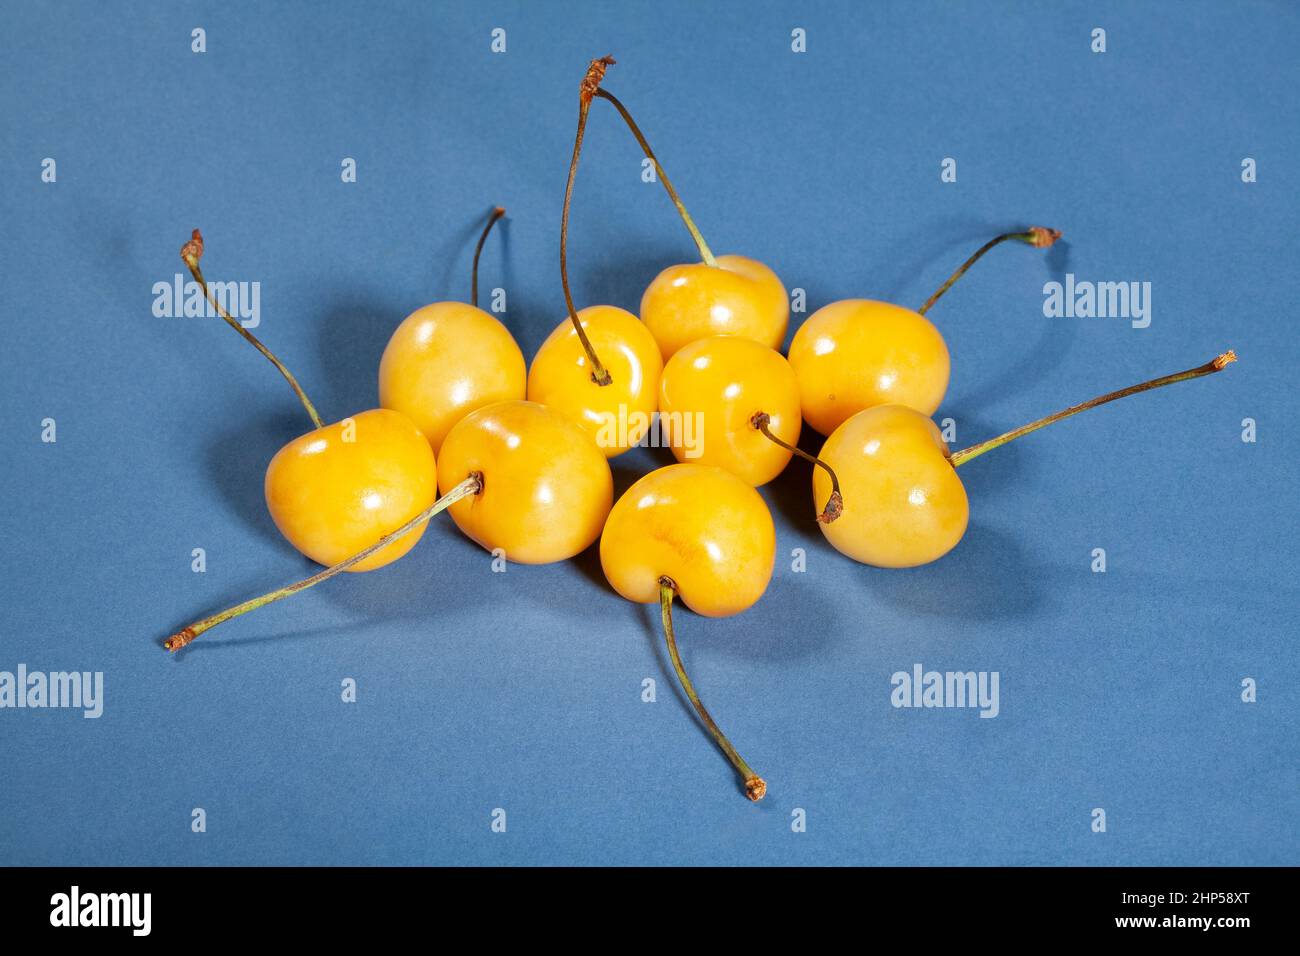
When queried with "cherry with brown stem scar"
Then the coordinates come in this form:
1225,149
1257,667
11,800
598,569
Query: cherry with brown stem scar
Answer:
745,399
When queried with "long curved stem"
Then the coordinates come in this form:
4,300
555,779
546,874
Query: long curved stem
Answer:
470,486
1036,236
191,252
599,374
705,253
835,503
497,213
755,786
974,451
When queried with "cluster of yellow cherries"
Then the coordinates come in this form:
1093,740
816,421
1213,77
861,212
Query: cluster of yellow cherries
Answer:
520,455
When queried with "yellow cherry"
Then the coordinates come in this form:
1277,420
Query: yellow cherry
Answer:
518,476
617,415
546,487
732,403
710,392
448,359
354,495
907,505
735,296
699,533
856,353
701,526
338,489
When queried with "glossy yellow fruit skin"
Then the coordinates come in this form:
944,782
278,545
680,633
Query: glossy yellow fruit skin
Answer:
546,486
699,525
444,361
719,383
616,415
858,353
738,297
903,502
339,489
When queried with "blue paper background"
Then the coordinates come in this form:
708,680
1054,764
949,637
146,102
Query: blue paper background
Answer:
522,690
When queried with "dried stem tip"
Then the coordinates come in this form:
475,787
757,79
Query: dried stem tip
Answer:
591,82
192,251
1227,358
1043,237
756,788
834,508
180,639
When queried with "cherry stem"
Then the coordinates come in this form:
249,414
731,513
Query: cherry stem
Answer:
1036,236
705,253
755,786
835,503
497,213
470,486
599,374
1209,368
191,252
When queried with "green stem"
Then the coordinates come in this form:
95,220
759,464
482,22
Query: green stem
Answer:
599,374
1036,236
705,253
835,503
974,451
470,486
497,213
191,252
755,786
